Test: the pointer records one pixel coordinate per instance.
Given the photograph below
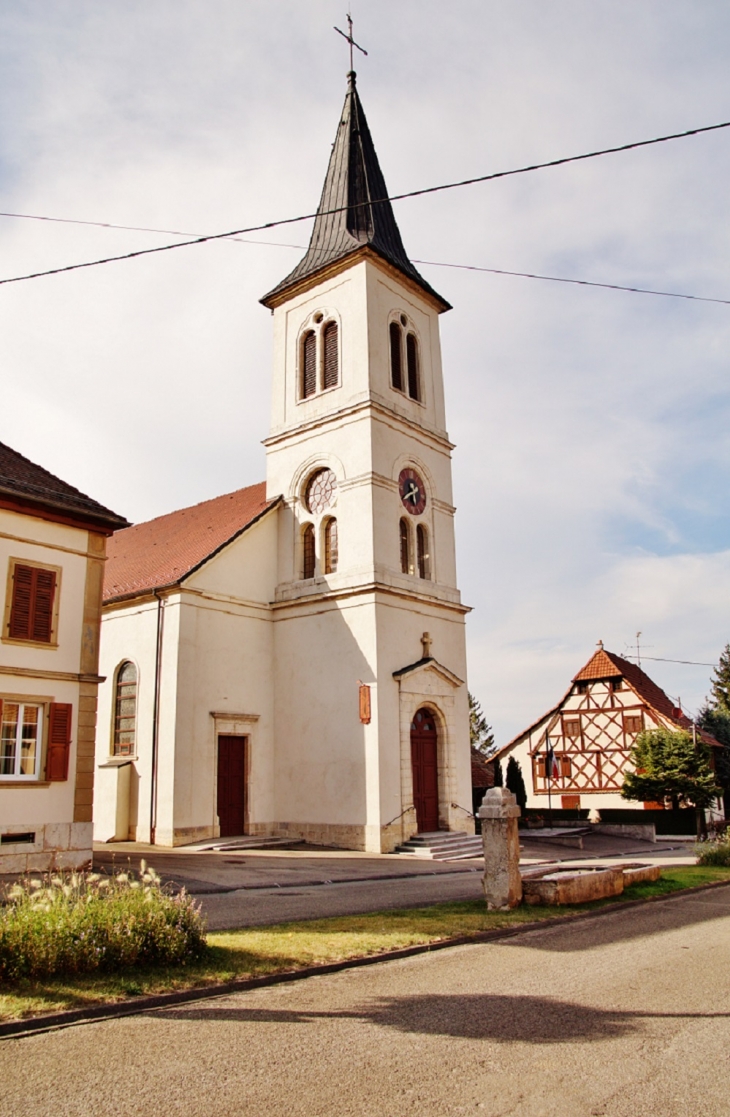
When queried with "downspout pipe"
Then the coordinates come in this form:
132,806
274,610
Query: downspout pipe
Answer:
156,715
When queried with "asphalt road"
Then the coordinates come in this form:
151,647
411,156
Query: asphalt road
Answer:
256,887
625,1015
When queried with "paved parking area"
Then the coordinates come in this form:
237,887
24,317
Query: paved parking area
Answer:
255,887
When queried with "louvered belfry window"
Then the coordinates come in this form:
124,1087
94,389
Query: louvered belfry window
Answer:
308,551
309,365
330,547
31,612
396,357
331,356
405,547
412,365
424,558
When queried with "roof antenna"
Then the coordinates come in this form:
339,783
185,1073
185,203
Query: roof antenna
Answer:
638,649
352,43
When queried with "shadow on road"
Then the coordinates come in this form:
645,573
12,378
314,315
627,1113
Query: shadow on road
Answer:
673,914
537,1020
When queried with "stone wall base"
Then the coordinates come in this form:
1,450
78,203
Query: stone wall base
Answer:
320,833
56,845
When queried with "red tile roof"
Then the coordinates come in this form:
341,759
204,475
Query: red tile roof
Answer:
161,552
23,482
482,770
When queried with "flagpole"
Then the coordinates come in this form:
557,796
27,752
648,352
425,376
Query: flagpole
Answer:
549,775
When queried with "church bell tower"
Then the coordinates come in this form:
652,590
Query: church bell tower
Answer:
370,701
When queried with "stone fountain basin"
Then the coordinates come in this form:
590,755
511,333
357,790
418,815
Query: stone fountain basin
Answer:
555,886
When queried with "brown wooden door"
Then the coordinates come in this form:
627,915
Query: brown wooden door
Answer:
424,762
232,785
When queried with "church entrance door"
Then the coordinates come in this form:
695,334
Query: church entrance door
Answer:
424,762
231,785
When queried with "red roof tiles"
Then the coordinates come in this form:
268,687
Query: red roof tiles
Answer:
161,552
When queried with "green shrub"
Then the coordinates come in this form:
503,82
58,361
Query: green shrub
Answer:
72,923
716,852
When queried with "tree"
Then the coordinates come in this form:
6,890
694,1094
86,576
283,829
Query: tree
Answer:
481,734
498,777
669,764
515,782
720,684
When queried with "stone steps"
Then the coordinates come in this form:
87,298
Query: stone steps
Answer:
442,845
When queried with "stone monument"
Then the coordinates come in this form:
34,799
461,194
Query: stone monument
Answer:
502,881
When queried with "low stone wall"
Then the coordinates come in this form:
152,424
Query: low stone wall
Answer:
55,845
643,833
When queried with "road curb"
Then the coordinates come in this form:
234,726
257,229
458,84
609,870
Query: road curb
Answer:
18,1029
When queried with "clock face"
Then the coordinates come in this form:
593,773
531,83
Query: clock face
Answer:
412,491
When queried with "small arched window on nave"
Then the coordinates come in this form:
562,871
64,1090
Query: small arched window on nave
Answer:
331,546
330,356
396,356
412,367
309,365
308,551
424,557
125,710
405,547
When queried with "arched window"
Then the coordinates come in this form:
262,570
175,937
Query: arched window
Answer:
396,357
330,356
412,365
125,710
424,558
405,547
309,364
308,551
330,546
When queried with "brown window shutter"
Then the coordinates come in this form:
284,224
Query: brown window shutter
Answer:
21,609
396,359
45,589
331,356
309,365
59,741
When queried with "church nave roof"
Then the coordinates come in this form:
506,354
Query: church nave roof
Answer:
163,551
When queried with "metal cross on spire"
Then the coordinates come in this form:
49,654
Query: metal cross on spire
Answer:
350,40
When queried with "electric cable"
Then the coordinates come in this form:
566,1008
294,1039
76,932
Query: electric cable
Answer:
392,198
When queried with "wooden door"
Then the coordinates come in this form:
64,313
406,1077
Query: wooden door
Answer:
424,762
232,785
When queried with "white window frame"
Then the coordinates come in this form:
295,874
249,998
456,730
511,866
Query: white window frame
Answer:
17,776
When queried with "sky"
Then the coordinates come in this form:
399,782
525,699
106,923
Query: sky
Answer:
593,455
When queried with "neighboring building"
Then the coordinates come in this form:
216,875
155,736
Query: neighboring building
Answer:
290,659
482,777
52,548
590,732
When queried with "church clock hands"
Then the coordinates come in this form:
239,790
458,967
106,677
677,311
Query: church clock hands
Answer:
412,491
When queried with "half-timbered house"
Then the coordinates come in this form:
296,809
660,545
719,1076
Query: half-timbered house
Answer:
577,752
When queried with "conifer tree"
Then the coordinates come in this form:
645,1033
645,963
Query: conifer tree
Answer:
481,734
721,683
515,782
498,777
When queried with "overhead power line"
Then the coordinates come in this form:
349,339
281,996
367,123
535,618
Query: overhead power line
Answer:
579,282
393,198
660,659
425,263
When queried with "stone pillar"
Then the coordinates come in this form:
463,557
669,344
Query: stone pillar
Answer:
502,881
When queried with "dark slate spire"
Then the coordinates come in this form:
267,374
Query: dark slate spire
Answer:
354,187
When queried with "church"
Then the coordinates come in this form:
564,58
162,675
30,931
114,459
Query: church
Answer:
289,659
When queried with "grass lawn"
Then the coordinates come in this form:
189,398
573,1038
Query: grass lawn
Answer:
255,951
